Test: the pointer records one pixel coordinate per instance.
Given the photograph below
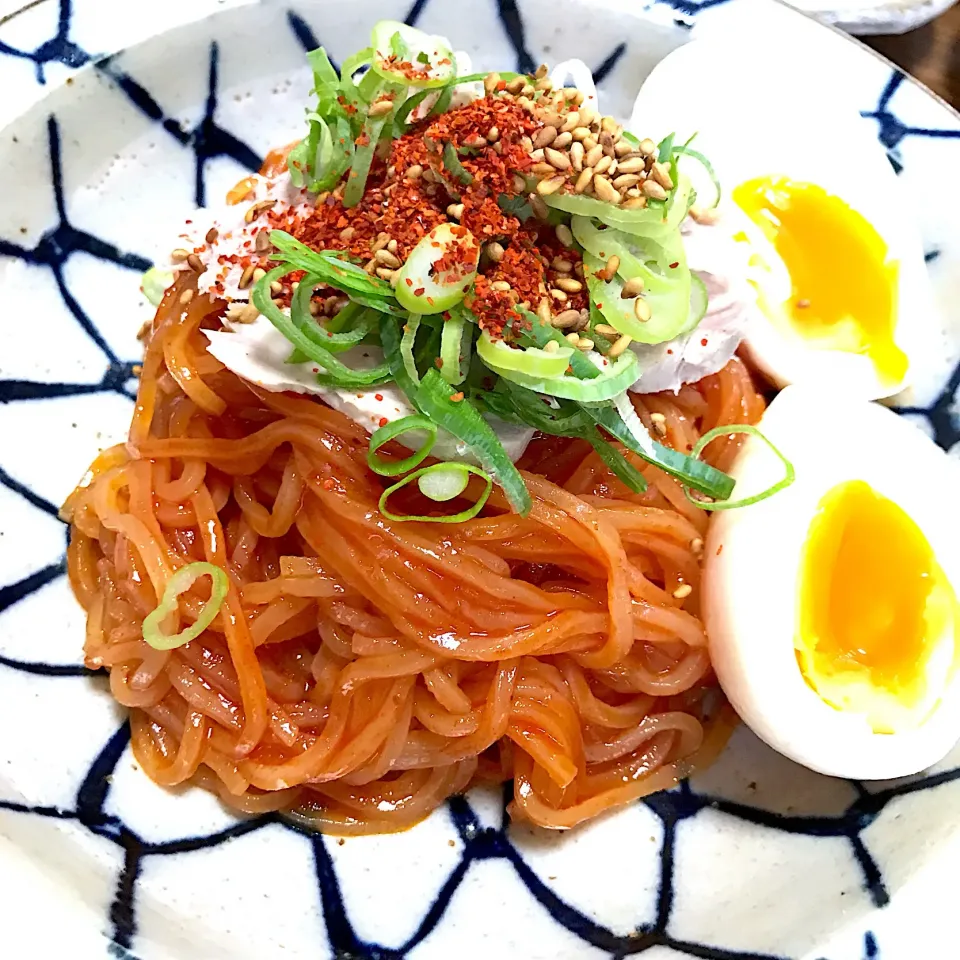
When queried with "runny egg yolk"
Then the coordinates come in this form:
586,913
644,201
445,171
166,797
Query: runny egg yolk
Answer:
877,625
843,286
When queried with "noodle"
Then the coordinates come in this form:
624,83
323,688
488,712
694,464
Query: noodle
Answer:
360,671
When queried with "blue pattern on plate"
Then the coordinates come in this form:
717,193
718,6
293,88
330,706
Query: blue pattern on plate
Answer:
208,140
58,49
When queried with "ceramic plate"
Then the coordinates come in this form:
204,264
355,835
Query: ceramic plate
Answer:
112,127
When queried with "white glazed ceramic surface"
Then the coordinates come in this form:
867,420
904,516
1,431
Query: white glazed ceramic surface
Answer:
115,120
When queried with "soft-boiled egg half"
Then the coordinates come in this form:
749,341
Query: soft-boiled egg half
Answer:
832,607
807,192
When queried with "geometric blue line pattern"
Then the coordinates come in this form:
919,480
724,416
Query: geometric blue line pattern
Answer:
207,140
58,49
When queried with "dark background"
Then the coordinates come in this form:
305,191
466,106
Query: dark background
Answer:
931,54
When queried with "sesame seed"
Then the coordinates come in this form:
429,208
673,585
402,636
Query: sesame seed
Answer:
564,235
585,344
641,310
380,108
653,190
557,159
195,263
621,345
545,137
632,288
696,547
501,286
212,235
568,284
551,346
683,591
494,251
186,297
584,180
550,186
179,255
567,319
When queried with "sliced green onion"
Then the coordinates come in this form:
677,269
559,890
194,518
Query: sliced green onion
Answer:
665,148
154,284
445,483
707,165
623,373
455,349
467,514
531,362
419,289
178,584
789,475
391,431
407,343
363,154
390,340
330,265
629,430
335,371
451,161
699,475
646,221
391,36
401,119
461,418
359,322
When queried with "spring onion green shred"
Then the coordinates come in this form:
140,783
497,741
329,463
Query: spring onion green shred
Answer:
355,322
467,514
335,371
179,584
789,474
407,343
445,483
390,340
460,417
390,431
451,161
454,344
665,148
707,165
154,284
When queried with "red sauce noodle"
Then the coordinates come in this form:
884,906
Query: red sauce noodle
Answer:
362,671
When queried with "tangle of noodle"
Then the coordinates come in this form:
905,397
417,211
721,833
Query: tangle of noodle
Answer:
362,671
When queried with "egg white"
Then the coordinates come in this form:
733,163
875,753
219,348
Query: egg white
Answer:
752,567
760,113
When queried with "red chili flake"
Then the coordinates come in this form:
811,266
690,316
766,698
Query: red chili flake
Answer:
420,291
408,282
719,549
675,264
316,369
703,342
329,484
378,396
438,363
670,351
383,421
457,397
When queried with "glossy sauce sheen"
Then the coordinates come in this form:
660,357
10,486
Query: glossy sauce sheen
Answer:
843,285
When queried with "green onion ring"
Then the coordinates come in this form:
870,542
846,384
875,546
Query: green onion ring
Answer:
790,473
467,514
180,583
391,431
